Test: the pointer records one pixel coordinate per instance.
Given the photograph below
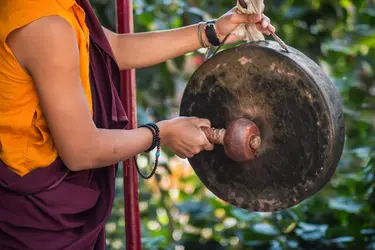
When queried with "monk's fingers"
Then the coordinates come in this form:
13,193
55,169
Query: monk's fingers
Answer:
238,18
272,28
262,29
265,25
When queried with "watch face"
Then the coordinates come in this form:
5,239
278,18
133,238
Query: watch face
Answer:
210,30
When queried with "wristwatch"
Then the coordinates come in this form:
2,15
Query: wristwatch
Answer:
211,34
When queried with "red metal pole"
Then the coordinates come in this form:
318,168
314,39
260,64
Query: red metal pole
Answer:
128,97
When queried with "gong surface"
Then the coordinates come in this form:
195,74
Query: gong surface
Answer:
297,110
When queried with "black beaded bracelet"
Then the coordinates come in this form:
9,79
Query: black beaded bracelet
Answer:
155,144
211,34
155,131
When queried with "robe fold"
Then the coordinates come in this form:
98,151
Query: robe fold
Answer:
53,208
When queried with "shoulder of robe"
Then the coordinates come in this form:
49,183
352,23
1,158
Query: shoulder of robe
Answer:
17,13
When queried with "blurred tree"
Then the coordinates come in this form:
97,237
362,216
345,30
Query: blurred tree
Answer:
176,208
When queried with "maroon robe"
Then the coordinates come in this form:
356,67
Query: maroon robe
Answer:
51,208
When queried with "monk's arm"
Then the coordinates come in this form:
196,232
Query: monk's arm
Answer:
51,57
140,50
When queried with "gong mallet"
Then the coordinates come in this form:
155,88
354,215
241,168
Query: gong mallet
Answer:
241,140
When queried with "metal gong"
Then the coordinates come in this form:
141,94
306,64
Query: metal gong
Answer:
279,126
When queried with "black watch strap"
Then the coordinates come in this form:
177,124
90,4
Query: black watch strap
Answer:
211,33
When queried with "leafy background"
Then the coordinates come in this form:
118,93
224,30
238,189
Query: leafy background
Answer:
178,212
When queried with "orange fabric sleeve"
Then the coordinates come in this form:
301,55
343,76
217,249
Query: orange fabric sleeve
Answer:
25,140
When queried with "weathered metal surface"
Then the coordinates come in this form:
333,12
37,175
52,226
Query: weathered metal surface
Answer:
297,110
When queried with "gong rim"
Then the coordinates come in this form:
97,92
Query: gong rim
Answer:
328,94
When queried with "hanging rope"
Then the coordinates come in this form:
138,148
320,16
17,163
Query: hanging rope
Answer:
250,31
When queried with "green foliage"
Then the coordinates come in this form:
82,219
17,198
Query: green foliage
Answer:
176,208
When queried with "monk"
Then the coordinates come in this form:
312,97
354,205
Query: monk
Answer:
62,123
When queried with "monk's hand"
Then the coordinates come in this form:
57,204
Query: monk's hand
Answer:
227,23
265,26
184,136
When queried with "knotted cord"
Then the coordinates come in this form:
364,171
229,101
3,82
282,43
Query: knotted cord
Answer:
250,31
